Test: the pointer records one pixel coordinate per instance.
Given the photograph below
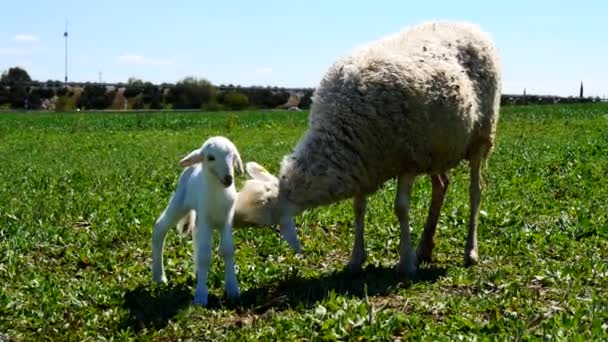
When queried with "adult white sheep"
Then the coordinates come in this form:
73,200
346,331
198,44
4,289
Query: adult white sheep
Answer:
206,195
417,102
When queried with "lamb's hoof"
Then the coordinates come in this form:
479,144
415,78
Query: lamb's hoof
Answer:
470,258
160,279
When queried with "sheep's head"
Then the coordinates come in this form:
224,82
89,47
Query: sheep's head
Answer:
220,157
259,204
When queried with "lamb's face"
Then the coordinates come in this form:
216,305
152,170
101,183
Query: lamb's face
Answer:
259,204
219,157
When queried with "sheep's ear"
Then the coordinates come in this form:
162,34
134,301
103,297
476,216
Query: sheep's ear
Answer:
194,157
238,163
257,171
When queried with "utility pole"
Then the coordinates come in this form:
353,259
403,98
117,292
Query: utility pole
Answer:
581,93
65,35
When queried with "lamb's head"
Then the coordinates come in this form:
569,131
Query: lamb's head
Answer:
219,156
259,203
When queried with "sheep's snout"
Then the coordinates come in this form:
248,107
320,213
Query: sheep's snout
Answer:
227,180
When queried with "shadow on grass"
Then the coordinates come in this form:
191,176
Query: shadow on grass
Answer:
153,307
297,291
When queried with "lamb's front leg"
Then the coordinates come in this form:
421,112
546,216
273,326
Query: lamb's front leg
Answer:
407,257
227,251
358,254
203,241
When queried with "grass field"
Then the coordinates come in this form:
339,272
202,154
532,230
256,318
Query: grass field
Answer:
79,194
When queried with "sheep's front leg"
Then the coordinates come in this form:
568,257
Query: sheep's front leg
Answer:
358,254
227,251
167,219
203,237
407,257
470,252
440,184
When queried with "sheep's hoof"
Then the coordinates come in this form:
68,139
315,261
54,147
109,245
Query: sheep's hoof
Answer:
200,297
355,264
424,255
470,258
200,300
233,295
354,267
407,270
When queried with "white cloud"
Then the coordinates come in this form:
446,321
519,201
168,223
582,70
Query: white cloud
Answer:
263,71
131,58
26,38
14,52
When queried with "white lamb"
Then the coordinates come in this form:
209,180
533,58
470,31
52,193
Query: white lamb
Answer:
417,102
205,196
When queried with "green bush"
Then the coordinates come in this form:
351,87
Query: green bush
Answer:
212,106
236,101
65,104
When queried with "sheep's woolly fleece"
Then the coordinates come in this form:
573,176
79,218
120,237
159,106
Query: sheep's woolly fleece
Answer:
419,101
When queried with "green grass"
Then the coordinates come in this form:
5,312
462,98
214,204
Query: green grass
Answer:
79,194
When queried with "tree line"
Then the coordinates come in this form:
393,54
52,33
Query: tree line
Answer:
19,91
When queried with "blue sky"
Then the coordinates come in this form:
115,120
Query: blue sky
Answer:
547,47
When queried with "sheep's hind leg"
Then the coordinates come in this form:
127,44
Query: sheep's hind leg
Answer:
227,251
440,184
407,257
167,219
470,252
358,254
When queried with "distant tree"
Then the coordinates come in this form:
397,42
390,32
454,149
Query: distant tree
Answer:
17,96
15,75
235,100
139,102
306,100
156,101
63,91
46,93
4,95
192,93
135,82
95,97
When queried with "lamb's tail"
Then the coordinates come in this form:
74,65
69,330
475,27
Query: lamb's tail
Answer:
187,224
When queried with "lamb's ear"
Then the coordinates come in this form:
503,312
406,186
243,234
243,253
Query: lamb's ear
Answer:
194,157
238,163
257,171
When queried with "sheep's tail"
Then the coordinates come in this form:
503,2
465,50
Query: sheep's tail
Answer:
187,224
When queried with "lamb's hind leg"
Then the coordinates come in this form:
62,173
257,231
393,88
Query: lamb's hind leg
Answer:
174,211
407,257
440,184
470,252
358,254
